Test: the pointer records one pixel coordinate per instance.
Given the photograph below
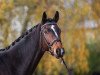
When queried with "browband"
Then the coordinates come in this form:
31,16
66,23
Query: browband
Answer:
49,23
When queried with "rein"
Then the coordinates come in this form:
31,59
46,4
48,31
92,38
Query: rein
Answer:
70,71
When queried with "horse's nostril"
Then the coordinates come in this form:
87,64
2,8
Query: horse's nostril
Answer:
60,52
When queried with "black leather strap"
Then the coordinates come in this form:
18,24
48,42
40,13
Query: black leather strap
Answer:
56,40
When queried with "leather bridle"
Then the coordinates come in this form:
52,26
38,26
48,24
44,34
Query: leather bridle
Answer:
49,44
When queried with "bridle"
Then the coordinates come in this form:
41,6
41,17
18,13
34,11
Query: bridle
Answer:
51,43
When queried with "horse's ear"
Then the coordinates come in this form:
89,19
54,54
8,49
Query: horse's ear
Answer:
44,17
56,17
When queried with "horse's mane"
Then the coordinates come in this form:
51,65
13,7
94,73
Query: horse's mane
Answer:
21,37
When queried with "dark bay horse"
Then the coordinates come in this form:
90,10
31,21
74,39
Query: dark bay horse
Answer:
24,54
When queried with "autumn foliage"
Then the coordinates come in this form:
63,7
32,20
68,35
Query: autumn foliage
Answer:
80,25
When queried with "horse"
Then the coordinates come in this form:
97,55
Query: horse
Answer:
24,54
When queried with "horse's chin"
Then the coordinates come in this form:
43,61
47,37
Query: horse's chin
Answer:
56,56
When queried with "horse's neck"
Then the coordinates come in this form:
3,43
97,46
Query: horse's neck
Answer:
34,63
25,55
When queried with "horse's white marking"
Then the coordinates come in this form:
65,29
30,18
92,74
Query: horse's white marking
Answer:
52,27
62,51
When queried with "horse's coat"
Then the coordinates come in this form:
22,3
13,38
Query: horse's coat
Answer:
20,58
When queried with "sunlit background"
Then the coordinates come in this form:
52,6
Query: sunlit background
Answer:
80,25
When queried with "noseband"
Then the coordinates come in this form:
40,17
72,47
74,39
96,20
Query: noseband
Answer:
55,40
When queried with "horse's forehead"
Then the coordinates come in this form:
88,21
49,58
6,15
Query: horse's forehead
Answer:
50,20
50,26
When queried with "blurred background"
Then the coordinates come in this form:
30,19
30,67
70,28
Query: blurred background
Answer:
80,25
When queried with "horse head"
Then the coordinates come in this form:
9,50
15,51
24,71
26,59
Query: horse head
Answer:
51,35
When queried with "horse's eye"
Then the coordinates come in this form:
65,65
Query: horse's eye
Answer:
58,30
45,31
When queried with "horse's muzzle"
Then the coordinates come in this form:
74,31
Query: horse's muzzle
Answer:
60,52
